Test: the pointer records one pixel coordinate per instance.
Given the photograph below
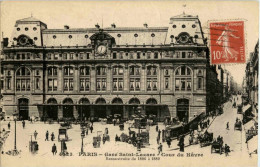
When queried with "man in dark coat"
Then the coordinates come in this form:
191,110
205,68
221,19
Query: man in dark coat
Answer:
168,140
160,147
91,128
54,149
52,136
47,136
9,125
23,124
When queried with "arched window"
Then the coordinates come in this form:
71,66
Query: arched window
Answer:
118,78
23,80
183,79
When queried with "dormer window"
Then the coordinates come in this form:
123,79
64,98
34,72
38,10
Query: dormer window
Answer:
183,26
174,26
26,29
193,25
34,28
18,29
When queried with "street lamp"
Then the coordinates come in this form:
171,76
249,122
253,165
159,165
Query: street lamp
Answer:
139,129
82,137
15,151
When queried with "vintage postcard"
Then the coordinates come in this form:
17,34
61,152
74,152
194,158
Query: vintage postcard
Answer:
129,83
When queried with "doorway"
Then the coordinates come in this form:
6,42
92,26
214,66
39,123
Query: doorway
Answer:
183,110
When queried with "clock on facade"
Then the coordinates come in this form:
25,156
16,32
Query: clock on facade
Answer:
101,49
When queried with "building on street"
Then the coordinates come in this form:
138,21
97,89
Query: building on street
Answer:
95,72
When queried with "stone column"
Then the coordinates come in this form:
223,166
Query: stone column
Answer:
75,79
93,79
60,79
143,79
109,79
75,112
108,110
60,112
158,114
126,79
92,112
125,112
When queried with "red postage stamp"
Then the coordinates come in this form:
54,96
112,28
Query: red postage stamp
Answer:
227,42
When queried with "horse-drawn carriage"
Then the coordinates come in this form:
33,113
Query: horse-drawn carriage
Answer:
206,139
238,125
140,122
216,147
63,136
135,138
152,120
66,124
109,119
174,131
239,109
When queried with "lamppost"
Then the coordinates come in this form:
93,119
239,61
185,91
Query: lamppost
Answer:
82,137
15,151
139,129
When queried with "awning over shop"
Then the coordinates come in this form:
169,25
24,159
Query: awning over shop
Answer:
249,124
247,107
252,144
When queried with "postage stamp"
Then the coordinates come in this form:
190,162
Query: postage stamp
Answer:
227,42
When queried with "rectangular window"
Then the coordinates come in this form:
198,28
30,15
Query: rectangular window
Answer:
137,84
98,84
138,55
65,56
82,84
189,54
71,56
66,84
37,83
177,54
49,56
87,55
131,55
149,85
156,55
132,83
115,84
55,84
8,83
177,84
166,84
23,84
81,56
23,56
200,83
71,84
183,55
87,85
114,55
188,85
121,55
104,84
50,84
148,55
182,84
56,56
154,85
120,84
18,56
28,56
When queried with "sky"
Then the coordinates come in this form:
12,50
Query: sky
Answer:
85,14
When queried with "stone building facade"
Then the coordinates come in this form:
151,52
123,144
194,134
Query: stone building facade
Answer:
84,72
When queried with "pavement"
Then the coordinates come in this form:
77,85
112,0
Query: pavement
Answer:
234,138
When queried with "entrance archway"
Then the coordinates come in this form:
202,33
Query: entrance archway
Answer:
52,110
183,110
135,102
117,108
100,111
84,109
68,109
150,109
23,108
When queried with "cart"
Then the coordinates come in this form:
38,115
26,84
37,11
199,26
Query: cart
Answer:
63,136
152,120
239,109
121,126
140,122
109,119
238,125
206,139
174,131
216,147
66,124
97,140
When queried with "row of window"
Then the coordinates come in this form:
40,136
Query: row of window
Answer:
115,55
181,84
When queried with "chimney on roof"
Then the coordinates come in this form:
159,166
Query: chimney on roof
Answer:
66,27
97,26
113,25
145,25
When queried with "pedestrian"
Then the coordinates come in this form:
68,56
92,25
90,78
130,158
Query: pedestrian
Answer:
9,125
208,121
156,128
86,131
159,133
104,139
91,128
227,149
106,131
181,143
47,136
31,120
227,126
160,147
52,136
54,149
23,123
168,140
35,134
158,139
114,121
